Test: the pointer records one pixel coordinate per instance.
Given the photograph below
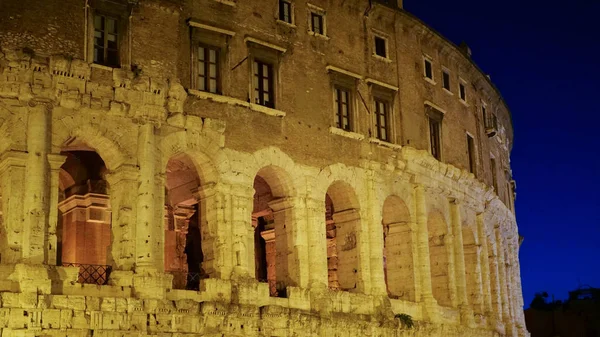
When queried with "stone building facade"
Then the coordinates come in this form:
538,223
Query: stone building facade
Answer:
250,168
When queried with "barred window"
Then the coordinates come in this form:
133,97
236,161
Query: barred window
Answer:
382,119
263,84
208,69
106,41
342,108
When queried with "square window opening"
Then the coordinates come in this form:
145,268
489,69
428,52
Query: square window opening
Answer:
208,69
446,80
380,47
285,11
343,109
263,84
382,120
428,69
106,41
463,92
316,23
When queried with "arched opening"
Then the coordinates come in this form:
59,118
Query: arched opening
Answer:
439,260
473,268
183,239
342,217
84,218
397,249
272,219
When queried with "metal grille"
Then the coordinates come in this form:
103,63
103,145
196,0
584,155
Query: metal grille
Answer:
91,273
187,281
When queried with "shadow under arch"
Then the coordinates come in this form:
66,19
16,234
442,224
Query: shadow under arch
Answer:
398,249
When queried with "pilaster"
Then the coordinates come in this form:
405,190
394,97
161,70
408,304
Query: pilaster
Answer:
485,266
55,161
459,261
12,180
502,278
317,242
376,241
424,264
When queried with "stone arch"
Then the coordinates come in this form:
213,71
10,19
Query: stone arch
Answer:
276,258
87,137
209,159
84,220
278,168
343,233
437,228
397,249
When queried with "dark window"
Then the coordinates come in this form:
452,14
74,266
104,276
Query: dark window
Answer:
380,46
317,23
484,112
463,92
285,11
263,84
446,80
208,69
471,153
342,108
428,70
382,119
434,138
494,179
106,41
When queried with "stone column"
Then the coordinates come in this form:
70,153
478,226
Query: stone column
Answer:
146,222
215,228
12,180
36,184
317,242
240,213
375,236
502,278
495,280
55,161
452,257
459,262
424,264
290,241
123,191
485,266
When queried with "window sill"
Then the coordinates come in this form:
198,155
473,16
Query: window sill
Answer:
320,36
427,79
464,102
384,143
227,2
103,67
236,102
287,24
448,92
347,134
381,58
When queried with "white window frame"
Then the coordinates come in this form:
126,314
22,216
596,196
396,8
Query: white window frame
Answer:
379,34
427,58
292,14
462,82
312,9
447,71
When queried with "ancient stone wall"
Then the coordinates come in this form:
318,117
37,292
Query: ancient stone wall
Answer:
192,181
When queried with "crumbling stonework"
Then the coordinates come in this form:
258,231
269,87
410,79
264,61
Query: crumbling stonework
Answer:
210,215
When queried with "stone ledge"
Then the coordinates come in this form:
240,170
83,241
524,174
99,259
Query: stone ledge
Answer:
385,144
347,134
236,102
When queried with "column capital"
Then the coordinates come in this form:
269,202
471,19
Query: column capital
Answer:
281,204
12,158
56,161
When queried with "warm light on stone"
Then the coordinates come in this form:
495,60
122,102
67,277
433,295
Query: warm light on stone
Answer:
135,204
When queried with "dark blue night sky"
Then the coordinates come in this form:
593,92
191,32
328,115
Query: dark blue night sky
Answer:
545,58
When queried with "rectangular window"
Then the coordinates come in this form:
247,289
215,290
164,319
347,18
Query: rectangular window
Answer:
316,23
380,47
446,80
463,92
285,11
494,178
382,120
471,153
106,41
428,69
263,84
434,138
342,109
208,69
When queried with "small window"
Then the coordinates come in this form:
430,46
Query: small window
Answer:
428,69
382,120
380,46
316,23
263,84
434,138
342,108
446,80
208,69
494,177
471,153
462,92
106,41
285,11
